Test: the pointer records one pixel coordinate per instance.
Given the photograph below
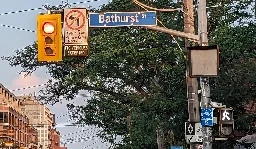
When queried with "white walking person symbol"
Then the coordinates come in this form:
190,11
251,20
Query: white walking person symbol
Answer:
225,115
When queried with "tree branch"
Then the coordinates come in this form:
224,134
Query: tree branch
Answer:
140,90
91,88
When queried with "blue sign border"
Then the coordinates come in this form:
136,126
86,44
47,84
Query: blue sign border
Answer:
176,147
123,25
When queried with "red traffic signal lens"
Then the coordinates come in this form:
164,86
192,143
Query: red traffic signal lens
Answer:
48,28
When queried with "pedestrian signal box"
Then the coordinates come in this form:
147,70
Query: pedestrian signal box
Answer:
49,36
226,122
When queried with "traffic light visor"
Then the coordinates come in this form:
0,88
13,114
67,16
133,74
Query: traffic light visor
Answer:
48,28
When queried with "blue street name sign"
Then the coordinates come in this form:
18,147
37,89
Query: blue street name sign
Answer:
206,116
176,147
116,19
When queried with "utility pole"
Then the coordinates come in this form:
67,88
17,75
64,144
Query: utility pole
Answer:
192,83
205,87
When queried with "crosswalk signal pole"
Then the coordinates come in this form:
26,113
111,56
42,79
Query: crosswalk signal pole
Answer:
205,102
205,94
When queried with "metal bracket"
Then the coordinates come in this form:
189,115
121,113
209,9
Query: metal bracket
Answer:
217,105
215,120
220,139
189,36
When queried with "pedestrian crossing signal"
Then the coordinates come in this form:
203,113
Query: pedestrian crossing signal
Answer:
49,36
226,116
226,122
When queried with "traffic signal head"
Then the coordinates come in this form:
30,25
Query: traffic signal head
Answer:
49,36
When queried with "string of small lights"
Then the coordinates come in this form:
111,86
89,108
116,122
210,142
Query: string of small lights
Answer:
91,144
18,28
29,87
48,7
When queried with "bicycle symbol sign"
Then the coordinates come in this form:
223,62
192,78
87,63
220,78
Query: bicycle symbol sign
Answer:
207,117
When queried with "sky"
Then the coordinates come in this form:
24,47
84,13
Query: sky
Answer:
11,39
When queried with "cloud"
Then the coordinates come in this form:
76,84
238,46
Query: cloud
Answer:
24,82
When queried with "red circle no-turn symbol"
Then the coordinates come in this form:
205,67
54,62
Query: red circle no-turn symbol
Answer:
75,19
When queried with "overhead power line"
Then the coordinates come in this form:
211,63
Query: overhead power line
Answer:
40,85
29,87
135,1
42,8
18,28
91,144
33,9
73,138
84,139
147,7
72,133
156,9
77,132
100,146
19,11
85,136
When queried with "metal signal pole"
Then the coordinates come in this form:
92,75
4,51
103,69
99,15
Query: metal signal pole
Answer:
192,83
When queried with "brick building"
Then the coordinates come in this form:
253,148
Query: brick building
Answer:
14,125
43,120
40,117
33,138
25,123
55,140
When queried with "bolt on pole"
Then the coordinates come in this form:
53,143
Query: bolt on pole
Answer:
205,86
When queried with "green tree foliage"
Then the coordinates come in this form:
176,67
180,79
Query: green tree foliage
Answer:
236,86
136,76
226,12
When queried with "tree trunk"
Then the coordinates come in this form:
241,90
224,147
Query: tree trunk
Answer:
160,138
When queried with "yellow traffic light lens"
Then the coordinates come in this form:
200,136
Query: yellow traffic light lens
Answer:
48,51
48,28
48,40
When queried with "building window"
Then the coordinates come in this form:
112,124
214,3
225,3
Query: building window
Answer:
35,117
3,117
3,139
